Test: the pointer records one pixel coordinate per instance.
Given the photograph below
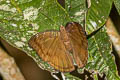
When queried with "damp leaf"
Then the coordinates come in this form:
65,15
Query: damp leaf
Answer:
101,60
21,19
97,14
70,77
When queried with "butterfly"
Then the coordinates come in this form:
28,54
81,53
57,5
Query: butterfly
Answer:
62,49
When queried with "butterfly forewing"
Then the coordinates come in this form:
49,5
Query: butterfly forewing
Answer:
50,48
78,42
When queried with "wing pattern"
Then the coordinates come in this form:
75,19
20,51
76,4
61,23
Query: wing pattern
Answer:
50,48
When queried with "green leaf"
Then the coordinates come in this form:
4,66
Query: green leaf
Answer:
68,76
99,46
95,76
76,9
97,14
100,58
117,5
21,19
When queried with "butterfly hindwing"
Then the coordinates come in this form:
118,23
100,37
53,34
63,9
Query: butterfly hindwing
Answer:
78,42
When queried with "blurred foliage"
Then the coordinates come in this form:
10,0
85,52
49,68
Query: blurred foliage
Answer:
20,19
117,5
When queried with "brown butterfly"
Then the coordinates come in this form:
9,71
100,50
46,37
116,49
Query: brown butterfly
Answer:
61,49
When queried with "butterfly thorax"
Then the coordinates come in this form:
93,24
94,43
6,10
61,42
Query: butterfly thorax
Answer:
65,38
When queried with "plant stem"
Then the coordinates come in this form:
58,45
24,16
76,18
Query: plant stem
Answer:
114,35
8,67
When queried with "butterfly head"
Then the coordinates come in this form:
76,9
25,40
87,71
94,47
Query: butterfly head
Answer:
62,28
